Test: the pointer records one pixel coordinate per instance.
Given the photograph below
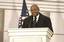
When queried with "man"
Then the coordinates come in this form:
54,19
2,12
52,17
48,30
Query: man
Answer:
37,20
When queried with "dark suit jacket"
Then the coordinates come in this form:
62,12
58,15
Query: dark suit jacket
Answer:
42,22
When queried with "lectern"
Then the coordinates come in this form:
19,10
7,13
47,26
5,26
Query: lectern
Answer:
29,35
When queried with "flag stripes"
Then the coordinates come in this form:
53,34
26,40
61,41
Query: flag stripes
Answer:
23,15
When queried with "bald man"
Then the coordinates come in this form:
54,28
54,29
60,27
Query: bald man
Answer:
37,20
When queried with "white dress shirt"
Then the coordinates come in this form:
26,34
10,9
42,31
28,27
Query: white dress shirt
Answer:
37,17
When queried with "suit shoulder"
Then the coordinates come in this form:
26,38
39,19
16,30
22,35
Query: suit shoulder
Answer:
45,17
27,18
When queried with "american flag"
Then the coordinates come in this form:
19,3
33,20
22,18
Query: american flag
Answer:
23,15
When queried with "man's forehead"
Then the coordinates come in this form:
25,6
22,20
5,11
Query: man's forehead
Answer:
34,5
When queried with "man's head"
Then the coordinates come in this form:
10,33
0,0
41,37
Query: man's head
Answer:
34,10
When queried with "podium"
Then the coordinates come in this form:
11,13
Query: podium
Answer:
29,34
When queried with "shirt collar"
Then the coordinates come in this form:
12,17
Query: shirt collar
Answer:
37,17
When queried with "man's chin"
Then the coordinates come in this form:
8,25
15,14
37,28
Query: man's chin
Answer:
34,15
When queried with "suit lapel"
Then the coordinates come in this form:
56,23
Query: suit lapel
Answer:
40,19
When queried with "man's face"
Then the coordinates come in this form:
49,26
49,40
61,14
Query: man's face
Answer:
34,10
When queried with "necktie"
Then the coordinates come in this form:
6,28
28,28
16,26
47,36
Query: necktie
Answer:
34,22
